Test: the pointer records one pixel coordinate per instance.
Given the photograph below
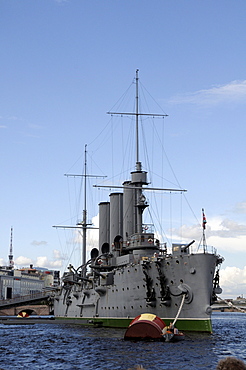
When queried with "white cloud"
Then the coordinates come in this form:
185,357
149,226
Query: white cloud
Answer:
14,118
234,91
222,233
44,262
226,235
240,208
23,261
233,281
188,232
37,243
2,262
228,229
232,245
9,118
57,255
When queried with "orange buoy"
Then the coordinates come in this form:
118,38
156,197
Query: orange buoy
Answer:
23,314
145,326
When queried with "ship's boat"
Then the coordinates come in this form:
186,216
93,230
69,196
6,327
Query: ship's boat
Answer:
131,271
173,337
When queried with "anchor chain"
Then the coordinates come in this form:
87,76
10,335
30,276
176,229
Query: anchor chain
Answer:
164,288
151,294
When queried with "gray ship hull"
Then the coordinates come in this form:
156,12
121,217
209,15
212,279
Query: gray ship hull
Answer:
118,296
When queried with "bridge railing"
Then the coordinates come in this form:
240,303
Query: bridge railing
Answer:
24,298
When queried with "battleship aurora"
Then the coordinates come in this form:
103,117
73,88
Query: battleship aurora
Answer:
132,273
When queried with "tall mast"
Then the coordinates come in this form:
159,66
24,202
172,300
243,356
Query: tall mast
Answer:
11,262
82,224
138,164
137,114
139,177
140,199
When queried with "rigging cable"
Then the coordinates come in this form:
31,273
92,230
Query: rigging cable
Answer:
169,163
229,304
171,226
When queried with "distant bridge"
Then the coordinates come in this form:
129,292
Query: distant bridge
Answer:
25,300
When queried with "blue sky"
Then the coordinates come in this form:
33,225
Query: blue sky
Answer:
64,64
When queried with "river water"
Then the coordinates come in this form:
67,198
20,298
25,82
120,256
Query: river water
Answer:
65,346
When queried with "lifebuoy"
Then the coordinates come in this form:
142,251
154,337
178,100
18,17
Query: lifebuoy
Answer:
150,241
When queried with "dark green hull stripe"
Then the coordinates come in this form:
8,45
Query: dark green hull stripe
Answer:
199,325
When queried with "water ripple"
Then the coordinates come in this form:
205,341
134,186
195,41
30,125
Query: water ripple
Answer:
62,346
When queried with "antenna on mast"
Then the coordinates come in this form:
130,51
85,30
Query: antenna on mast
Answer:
11,262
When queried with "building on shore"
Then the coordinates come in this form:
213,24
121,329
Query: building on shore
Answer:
15,283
